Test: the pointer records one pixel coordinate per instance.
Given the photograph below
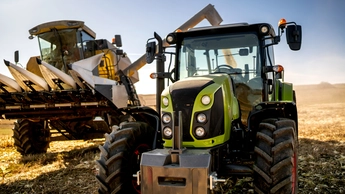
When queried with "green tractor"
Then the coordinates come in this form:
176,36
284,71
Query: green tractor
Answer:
226,112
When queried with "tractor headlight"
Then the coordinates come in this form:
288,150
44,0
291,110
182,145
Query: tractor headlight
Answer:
166,118
200,132
201,118
205,100
167,132
165,101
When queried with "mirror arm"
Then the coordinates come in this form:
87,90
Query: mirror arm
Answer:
276,40
163,75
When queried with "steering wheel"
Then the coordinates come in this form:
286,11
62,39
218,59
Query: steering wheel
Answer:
237,78
224,66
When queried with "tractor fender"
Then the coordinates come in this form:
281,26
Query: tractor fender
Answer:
273,109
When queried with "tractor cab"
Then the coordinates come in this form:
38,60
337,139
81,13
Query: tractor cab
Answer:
243,51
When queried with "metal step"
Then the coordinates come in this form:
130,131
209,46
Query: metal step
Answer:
237,170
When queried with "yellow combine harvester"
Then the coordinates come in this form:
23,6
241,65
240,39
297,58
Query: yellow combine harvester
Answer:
75,88
79,87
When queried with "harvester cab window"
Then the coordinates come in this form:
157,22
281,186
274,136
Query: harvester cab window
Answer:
59,47
87,45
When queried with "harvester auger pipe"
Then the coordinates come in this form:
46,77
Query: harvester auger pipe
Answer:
209,13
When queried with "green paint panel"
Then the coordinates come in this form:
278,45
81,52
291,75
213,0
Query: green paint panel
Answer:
231,109
287,92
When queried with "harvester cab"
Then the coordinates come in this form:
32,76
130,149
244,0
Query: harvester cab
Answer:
226,113
64,42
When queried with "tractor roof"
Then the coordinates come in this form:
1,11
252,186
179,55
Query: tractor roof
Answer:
220,26
237,27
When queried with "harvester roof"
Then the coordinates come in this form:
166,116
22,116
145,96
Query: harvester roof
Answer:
62,24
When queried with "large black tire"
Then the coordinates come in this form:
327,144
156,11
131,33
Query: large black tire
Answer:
275,168
30,137
120,157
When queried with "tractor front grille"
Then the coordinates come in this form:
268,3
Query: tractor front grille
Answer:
183,96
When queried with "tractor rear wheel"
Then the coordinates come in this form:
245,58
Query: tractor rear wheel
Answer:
31,137
275,168
120,157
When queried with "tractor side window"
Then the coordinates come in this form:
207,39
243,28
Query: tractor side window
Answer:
269,53
269,56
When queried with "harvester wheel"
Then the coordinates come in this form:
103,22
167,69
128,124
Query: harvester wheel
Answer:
30,137
275,169
120,157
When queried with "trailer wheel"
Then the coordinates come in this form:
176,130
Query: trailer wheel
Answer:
275,168
30,137
120,157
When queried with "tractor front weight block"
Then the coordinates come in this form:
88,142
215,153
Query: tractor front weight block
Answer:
189,175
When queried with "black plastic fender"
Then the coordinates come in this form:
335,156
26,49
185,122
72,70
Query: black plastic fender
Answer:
274,109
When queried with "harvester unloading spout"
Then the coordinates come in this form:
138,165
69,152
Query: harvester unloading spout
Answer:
209,13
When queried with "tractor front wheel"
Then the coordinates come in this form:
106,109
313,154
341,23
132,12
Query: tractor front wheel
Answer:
275,169
120,157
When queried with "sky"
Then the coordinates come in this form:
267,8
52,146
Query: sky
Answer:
321,58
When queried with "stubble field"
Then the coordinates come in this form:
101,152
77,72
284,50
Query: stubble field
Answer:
69,166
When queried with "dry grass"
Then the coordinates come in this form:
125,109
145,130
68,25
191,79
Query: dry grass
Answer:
69,167
321,112
324,122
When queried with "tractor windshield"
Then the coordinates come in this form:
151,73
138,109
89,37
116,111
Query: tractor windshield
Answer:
235,54
59,47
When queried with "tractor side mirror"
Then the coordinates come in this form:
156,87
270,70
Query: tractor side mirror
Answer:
294,36
150,51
